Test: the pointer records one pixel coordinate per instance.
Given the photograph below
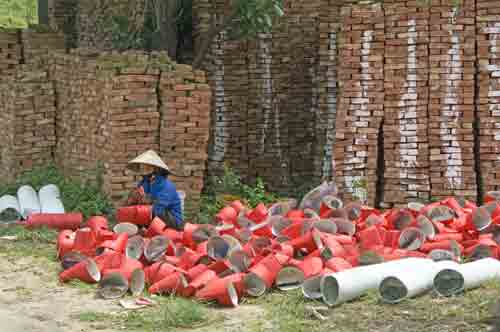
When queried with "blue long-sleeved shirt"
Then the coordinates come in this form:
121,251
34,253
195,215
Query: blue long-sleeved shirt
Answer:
164,195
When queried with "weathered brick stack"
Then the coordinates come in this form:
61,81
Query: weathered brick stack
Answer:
10,52
28,120
185,100
134,119
406,147
451,106
361,104
37,44
83,127
488,100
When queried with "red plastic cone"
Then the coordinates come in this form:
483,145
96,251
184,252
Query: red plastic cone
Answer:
86,271
258,214
227,214
311,266
492,196
370,238
221,290
156,227
55,221
195,271
85,242
173,283
99,226
199,282
140,215
65,242
238,206
173,235
127,267
337,264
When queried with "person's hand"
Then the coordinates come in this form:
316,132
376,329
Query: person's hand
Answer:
136,196
147,200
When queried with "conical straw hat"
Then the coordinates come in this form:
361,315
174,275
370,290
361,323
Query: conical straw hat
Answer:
149,157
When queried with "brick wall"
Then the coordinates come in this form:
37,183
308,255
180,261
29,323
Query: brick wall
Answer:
10,52
274,99
488,99
361,101
185,99
27,114
406,85
106,109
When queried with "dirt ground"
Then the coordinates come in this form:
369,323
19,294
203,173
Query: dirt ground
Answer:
31,299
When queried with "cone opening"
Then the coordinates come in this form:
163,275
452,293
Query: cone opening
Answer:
449,282
203,233
71,258
393,290
426,226
345,226
233,294
311,288
481,218
156,248
329,288
332,202
125,227
438,255
289,278
440,213
402,220
326,226
455,248
254,285
353,211
326,253
217,248
278,224
113,286
93,270
411,239
137,282
240,262
135,247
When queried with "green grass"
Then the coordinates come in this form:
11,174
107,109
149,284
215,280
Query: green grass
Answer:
170,313
18,13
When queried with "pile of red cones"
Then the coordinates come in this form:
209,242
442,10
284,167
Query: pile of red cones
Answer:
248,251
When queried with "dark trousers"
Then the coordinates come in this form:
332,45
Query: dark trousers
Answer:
169,220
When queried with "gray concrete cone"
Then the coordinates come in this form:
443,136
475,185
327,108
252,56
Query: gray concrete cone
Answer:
440,213
71,258
254,285
113,286
234,243
289,278
278,224
311,288
135,247
137,282
426,226
438,255
353,210
411,238
218,248
240,261
344,226
156,248
326,226
126,227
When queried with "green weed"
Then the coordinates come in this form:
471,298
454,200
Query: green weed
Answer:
77,195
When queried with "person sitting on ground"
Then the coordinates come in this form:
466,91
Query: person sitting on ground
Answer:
156,189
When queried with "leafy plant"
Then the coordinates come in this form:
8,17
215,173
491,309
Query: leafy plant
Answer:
220,190
77,195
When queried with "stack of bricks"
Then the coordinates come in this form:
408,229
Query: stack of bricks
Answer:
28,117
10,52
451,106
406,147
37,44
105,116
134,120
361,100
488,100
185,100
83,129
